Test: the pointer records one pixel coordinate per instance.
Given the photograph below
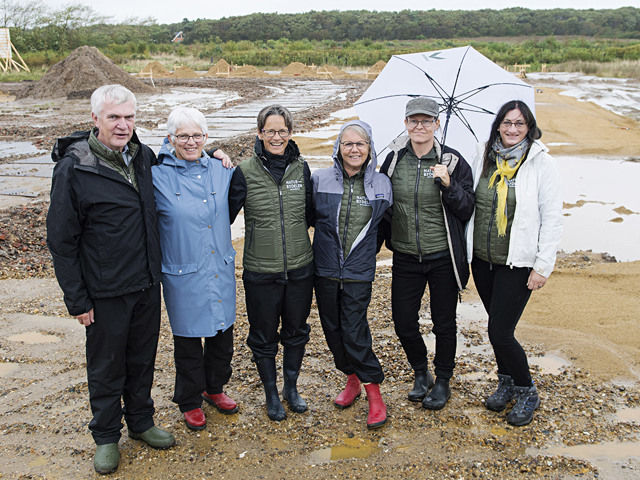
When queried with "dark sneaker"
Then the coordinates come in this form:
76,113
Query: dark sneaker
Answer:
527,401
423,383
499,400
107,458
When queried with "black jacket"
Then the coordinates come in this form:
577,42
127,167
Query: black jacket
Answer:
458,201
102,233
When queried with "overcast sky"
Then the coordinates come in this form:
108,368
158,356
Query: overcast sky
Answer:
170,11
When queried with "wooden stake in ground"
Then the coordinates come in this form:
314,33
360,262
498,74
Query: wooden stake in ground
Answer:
6,53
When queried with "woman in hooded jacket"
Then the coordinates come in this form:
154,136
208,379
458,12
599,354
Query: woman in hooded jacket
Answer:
350,199
512,241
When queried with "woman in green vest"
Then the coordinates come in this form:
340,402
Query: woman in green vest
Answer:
512,241
274,188
433,200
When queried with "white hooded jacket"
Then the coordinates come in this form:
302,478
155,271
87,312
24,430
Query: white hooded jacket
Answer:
537,221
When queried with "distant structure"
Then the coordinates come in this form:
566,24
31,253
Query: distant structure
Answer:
178,38
6,53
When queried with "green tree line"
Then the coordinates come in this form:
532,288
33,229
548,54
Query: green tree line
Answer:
357,38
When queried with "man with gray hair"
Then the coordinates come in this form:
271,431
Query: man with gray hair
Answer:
103,235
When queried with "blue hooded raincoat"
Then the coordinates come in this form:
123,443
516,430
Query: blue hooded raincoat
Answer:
198,259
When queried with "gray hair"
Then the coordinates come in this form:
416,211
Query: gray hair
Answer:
110,93
184,116
361,132
275,110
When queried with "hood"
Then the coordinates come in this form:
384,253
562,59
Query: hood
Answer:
166,156
62,145
372,162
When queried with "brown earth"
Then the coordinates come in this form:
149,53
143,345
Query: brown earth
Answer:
587,314
78,75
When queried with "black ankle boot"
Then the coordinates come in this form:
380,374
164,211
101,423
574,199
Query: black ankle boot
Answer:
527,401
423,382
267,371
291,363
438,395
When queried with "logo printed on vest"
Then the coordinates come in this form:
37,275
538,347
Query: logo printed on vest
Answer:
293,185
428,173
511,183
363,201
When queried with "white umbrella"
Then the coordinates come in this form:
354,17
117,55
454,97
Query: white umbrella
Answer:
469,87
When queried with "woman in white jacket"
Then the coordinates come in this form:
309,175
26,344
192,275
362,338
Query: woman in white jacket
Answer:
512,241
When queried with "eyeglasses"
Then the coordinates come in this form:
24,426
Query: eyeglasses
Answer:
198,138
272,133
425,123
508,123
358,145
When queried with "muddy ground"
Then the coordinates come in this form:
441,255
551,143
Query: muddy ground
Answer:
581,332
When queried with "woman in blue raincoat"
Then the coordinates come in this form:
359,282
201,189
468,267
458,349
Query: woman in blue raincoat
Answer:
198,270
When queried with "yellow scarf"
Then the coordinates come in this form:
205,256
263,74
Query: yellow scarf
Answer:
505,172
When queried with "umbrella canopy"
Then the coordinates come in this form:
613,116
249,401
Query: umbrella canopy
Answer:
469,87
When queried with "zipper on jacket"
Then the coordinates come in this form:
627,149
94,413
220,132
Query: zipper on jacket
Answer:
346,227
415,205
493,213
253,226
284,238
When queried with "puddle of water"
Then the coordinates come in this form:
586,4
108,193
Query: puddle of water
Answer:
550,364
628,415
351,448
40,461
589,226
619,460
8,367
31,338
10,149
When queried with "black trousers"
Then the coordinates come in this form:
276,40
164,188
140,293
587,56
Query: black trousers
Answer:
504,293
199,368
267,304
121,354
409,280
343,314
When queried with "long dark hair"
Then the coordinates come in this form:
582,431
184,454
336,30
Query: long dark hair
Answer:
534,132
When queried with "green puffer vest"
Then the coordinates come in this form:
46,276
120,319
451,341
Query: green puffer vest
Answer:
487,245
355,211
430,234
276,237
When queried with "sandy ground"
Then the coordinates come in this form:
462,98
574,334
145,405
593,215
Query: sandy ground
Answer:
581,332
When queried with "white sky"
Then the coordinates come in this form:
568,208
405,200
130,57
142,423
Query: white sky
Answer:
171,11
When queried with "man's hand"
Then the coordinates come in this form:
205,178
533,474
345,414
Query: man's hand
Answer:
223,157
85,319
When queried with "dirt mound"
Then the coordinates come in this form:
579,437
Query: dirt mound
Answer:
248,71
220,68
376,68
78,75
297,69
156,69
332,71
184,72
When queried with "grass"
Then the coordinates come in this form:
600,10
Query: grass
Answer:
615,69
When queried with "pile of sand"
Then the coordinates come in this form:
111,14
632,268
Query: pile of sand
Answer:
220,68
332,71
248,71
376,68
155,69
297,69
78,75
184,72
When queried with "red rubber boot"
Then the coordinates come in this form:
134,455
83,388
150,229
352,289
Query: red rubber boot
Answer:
377,409
350,392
